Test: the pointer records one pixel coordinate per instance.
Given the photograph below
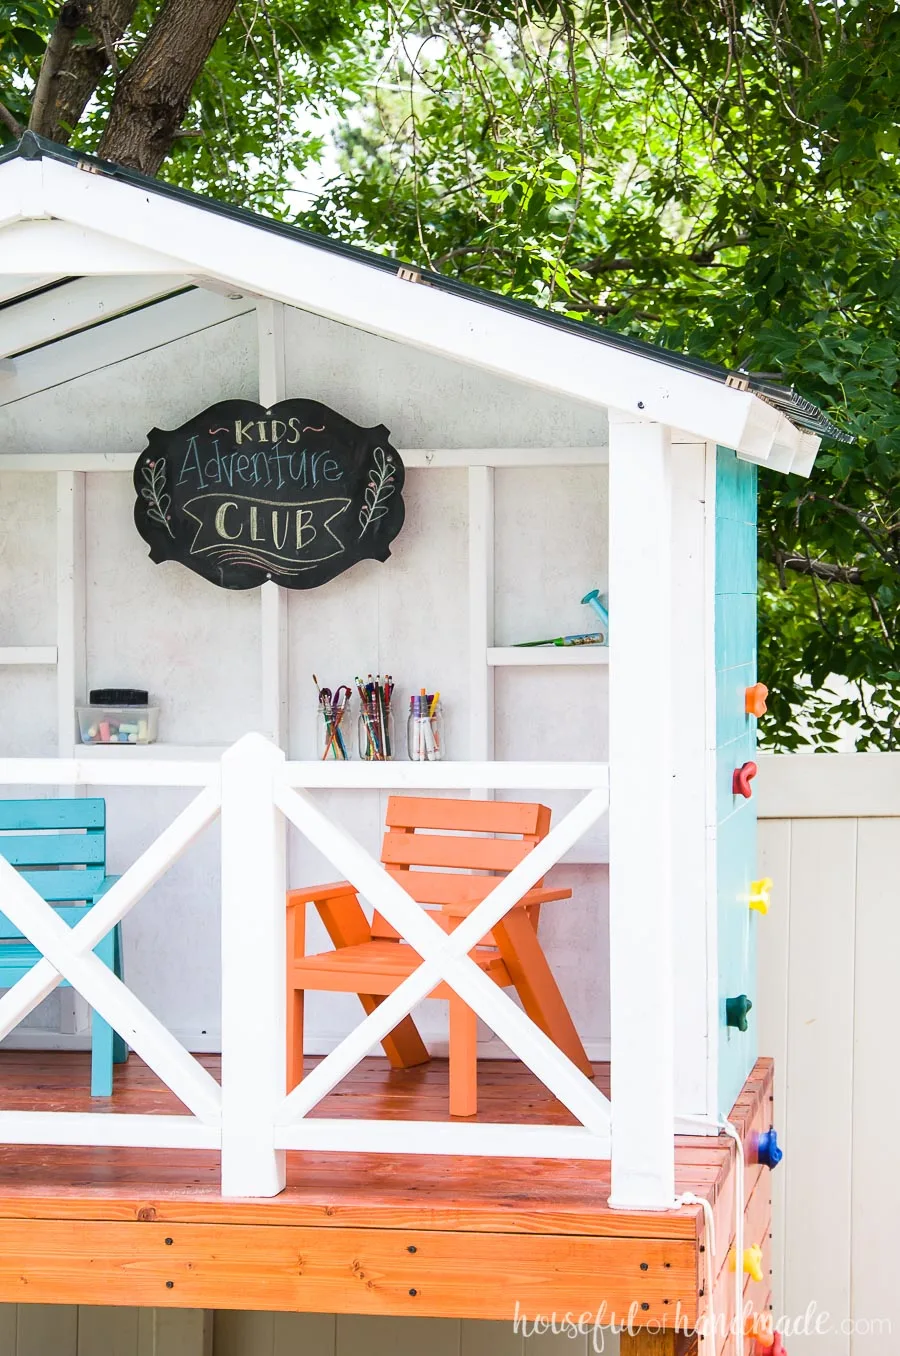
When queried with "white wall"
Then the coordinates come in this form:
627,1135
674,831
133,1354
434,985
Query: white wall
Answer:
196,647
829,948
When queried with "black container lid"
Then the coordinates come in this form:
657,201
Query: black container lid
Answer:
119,696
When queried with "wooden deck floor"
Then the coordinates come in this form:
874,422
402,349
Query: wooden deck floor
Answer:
356,1233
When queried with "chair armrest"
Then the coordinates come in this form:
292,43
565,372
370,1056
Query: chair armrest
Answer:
318,894
536,896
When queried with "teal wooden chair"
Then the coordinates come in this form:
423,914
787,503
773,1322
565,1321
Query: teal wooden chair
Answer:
59,847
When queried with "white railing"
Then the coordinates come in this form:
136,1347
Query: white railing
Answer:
249,1117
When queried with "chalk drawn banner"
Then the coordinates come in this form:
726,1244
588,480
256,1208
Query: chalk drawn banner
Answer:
296,493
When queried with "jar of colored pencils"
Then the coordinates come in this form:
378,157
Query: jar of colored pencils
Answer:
334,738
376,719
425,728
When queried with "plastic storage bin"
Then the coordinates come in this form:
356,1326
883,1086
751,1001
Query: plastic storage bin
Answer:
118,716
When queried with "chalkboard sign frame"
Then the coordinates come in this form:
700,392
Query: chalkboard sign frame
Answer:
295,493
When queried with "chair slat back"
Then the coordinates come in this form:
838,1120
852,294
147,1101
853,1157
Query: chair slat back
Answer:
48,840
448,851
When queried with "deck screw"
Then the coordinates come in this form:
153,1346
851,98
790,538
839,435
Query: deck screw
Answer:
640,404
170,1285
703,1247
645,1266
411,1248
168,1242
645,1305
414,1292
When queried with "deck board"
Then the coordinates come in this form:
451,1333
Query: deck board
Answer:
370,1204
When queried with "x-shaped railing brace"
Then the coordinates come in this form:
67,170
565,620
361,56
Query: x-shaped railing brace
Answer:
445,957
69,954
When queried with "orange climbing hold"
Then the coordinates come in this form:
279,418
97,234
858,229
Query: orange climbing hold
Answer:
755,700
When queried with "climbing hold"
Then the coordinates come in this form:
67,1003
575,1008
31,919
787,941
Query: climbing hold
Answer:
736,1010
761,1327
777,1348
740,782
752,1262
768,1151
760,894
755,700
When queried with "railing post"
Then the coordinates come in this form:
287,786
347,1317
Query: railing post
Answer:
254,880
640,815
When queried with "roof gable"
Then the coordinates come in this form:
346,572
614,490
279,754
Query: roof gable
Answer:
60,207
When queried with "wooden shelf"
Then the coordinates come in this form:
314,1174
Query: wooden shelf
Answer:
27,654
534,656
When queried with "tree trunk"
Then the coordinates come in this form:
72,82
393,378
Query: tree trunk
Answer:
154,93
70,71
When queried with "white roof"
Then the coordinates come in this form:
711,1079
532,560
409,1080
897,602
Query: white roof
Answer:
68,216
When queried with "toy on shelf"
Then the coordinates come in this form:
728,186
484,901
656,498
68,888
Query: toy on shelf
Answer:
743,776
592,599
736,1010
118,715
334,723
755,700
376,718
425,728
589,638
760,895
768,1151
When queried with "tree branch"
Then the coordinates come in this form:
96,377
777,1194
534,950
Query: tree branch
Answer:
9,121
818,569
71,72
705,257
154,93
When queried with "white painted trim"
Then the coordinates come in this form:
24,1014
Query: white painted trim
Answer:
481,617
106,345
640,820
77,305
103,1130
71,663
15,285
711,798
254,961
273,600
29,245
345,289
554,656
414,458
449,776
446,957
18,198
89,772
443,1137
27,654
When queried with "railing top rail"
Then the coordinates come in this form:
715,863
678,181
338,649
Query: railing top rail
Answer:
99,772
450,776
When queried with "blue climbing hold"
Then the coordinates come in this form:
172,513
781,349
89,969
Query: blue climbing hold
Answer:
768,1151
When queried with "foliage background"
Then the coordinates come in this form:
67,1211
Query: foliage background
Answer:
718,177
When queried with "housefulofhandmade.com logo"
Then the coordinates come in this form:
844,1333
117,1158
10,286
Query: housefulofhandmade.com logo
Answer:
600,1323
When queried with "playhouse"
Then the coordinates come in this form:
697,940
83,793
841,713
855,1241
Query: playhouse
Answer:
233,456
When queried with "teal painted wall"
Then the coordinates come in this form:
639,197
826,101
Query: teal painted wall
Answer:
735,650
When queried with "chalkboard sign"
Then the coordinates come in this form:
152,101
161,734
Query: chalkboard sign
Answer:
295,493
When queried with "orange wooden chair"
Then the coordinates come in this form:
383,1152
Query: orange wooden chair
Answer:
448,854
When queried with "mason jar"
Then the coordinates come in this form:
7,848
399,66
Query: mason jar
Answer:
425,729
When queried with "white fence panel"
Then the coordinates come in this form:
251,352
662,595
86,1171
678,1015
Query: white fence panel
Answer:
829,948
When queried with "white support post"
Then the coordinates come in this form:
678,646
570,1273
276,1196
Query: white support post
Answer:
71,675
273,600
71,661
254,881
641,768
481,618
